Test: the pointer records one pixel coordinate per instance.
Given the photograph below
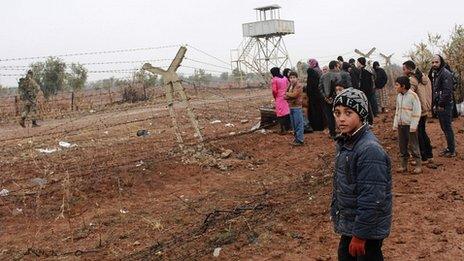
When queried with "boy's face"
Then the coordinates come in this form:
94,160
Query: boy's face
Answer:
338,89
348,121
399,88
293,79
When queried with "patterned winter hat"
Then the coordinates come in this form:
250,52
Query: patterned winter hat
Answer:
354,99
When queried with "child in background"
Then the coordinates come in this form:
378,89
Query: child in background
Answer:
339,87
295,101
407,115
285,73
361,208
422,86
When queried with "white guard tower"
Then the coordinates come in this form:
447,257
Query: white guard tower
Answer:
263,46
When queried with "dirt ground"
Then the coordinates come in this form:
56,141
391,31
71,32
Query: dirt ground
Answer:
119,196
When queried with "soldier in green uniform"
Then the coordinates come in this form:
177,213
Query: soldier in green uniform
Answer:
28,90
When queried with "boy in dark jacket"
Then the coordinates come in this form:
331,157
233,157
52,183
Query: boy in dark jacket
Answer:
361,208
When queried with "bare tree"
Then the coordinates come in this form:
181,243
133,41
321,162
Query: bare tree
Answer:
454,52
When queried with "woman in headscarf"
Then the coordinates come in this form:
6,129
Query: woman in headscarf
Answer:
285,73
279,88
315,114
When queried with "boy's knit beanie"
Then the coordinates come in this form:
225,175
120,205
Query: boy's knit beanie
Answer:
354,99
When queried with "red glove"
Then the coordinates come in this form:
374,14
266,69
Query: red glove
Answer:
357,247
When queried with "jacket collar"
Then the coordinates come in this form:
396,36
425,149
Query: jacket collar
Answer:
406,93
349,141
439,70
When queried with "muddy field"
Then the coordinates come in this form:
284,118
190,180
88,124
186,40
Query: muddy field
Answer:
119,196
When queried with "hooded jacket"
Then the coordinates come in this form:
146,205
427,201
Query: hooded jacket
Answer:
381,78
408,110
423,89
362,187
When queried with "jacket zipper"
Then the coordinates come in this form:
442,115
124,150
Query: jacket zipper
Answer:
347,170
401,110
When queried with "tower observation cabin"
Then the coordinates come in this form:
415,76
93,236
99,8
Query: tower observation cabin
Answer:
263,47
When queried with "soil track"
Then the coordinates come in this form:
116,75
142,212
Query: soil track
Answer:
119,196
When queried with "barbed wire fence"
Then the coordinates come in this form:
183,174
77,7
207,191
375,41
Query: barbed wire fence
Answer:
66,102
220,112
14,68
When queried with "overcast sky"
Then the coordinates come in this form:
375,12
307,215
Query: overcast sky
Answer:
323,28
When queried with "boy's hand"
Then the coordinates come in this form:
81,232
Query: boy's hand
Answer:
357,247
412,130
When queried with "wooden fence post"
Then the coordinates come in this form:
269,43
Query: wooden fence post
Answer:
16,105
72,101
144,91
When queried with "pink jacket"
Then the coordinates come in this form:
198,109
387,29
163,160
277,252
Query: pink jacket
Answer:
279,88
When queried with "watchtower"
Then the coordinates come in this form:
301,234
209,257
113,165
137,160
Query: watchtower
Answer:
263,46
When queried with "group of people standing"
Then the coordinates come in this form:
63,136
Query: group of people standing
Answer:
288,96
346,98
314,102
419,96
322,88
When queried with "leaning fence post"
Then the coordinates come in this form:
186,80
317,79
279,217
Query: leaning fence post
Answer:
144,91
16,105
72,101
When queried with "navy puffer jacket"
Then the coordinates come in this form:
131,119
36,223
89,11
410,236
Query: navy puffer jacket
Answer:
362,197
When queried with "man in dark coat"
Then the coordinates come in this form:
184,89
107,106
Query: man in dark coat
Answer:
354,74
345,75
442,101
381,80
366,84
315,112
327,89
